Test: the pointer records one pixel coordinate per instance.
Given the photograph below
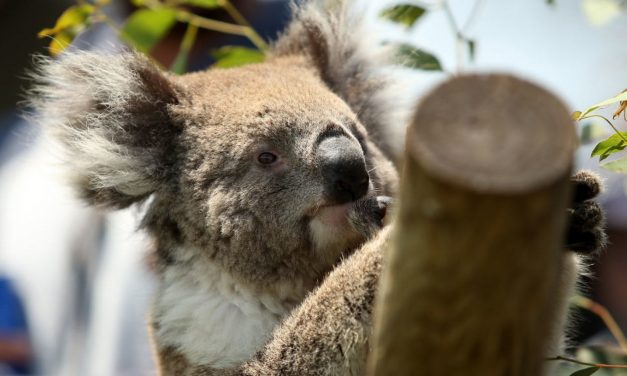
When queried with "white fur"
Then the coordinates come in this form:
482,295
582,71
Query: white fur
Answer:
64,99
331,233
329,228
214,319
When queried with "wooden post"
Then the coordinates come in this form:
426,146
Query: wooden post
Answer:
470,284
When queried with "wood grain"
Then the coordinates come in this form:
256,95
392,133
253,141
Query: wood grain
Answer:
470,283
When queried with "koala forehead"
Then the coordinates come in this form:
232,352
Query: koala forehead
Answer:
262,100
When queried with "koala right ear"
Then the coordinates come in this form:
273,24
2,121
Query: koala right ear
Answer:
111,114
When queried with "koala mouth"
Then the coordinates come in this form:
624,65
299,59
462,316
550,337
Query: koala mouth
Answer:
334,215
338,228
330,230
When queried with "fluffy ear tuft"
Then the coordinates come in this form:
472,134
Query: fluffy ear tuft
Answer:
330,35
111,115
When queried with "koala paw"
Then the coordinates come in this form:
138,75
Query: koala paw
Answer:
586,221
368,215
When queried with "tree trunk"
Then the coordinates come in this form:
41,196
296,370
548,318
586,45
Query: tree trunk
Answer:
471,283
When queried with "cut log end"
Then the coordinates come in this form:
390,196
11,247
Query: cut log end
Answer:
492,133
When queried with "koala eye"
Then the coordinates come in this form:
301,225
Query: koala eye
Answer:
267,158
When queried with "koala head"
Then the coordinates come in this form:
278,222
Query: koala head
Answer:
256,168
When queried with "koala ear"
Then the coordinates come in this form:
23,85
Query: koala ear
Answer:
111,115
327,33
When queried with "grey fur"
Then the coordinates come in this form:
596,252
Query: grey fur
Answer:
130,131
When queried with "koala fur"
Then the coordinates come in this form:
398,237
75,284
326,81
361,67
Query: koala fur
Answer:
257,264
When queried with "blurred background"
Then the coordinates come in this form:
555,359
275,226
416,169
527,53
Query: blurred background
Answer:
76,285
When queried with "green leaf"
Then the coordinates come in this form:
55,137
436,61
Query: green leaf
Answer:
619,165
472,45
146,27
234,56
60,42
550,2
406,14
620,97
208,4
73,16
585,371
71,22
416,58
609,146
576,115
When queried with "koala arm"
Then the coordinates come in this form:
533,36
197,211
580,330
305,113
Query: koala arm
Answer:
328,333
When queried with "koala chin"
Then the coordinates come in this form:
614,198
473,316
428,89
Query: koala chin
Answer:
269,185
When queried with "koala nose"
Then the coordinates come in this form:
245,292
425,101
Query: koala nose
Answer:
343,169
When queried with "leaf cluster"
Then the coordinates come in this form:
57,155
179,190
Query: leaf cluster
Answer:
152,21
407,14
616,142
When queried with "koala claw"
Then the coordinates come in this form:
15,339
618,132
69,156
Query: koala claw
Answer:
586,222
587,185
383,202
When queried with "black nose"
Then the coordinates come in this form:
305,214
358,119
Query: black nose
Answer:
343,169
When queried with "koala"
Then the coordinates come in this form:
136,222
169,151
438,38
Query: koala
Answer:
265,189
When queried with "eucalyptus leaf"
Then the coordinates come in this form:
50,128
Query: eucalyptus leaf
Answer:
585,372
146,27
619,98
60,42
71,22
73,16
234,56
619,165
406,14
416,58
609,146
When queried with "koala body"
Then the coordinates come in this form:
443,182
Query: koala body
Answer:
261,180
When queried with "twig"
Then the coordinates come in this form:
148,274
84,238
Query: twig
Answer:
615,130
180,62
244,30
460,33
240,19
234,13
605,315
472,17
220,26
598,365
103,17
458,36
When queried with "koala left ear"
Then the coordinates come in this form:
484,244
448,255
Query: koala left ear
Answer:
112,116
